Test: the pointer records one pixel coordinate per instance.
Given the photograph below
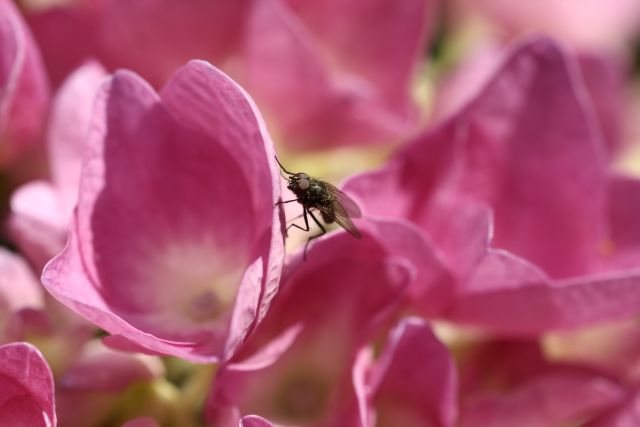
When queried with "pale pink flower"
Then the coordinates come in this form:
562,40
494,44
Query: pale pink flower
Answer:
21,297
175,246
521,167
24,94
26,387
41,210
591,24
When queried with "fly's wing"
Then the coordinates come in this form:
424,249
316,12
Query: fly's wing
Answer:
350,207
343,208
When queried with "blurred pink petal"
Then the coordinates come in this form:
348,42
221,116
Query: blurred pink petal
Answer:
346,66
156,37
41,211
603,77
591,25
142,422
176,246
550,400
24,94
626,414
414,383
153,38
342,295
98,368
26,387
20,293
254,421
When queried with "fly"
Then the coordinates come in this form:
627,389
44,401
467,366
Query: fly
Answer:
317,195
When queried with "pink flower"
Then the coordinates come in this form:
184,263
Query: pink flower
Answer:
26,387
521,167
254,421
344,66
21,297
41,210
414,381
326,73
23,87
298,367
175,246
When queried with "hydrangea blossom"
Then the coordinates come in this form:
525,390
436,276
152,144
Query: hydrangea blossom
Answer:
175,246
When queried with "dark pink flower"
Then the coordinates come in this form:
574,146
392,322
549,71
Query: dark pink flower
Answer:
24,93
413,383
175,246
41,210
26,387
298,367
522,168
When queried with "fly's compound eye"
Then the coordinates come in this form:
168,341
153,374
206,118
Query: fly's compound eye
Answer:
303,183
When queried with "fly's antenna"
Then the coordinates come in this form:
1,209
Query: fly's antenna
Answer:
282,167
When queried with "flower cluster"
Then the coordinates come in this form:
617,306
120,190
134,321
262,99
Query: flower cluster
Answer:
150,270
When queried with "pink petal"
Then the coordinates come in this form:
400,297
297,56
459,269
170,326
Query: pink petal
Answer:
527,147
68,126
510,296
254,421
162,243
597,24
380,41
141,422
20,293
99,368
626,414
26,389
623,249
41,211
285,65
24,93
37,223
551,400
415,382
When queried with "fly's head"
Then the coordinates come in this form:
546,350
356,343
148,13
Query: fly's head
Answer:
299,183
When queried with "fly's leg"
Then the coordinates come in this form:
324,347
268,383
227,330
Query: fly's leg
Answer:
280,202
306,222
323,232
